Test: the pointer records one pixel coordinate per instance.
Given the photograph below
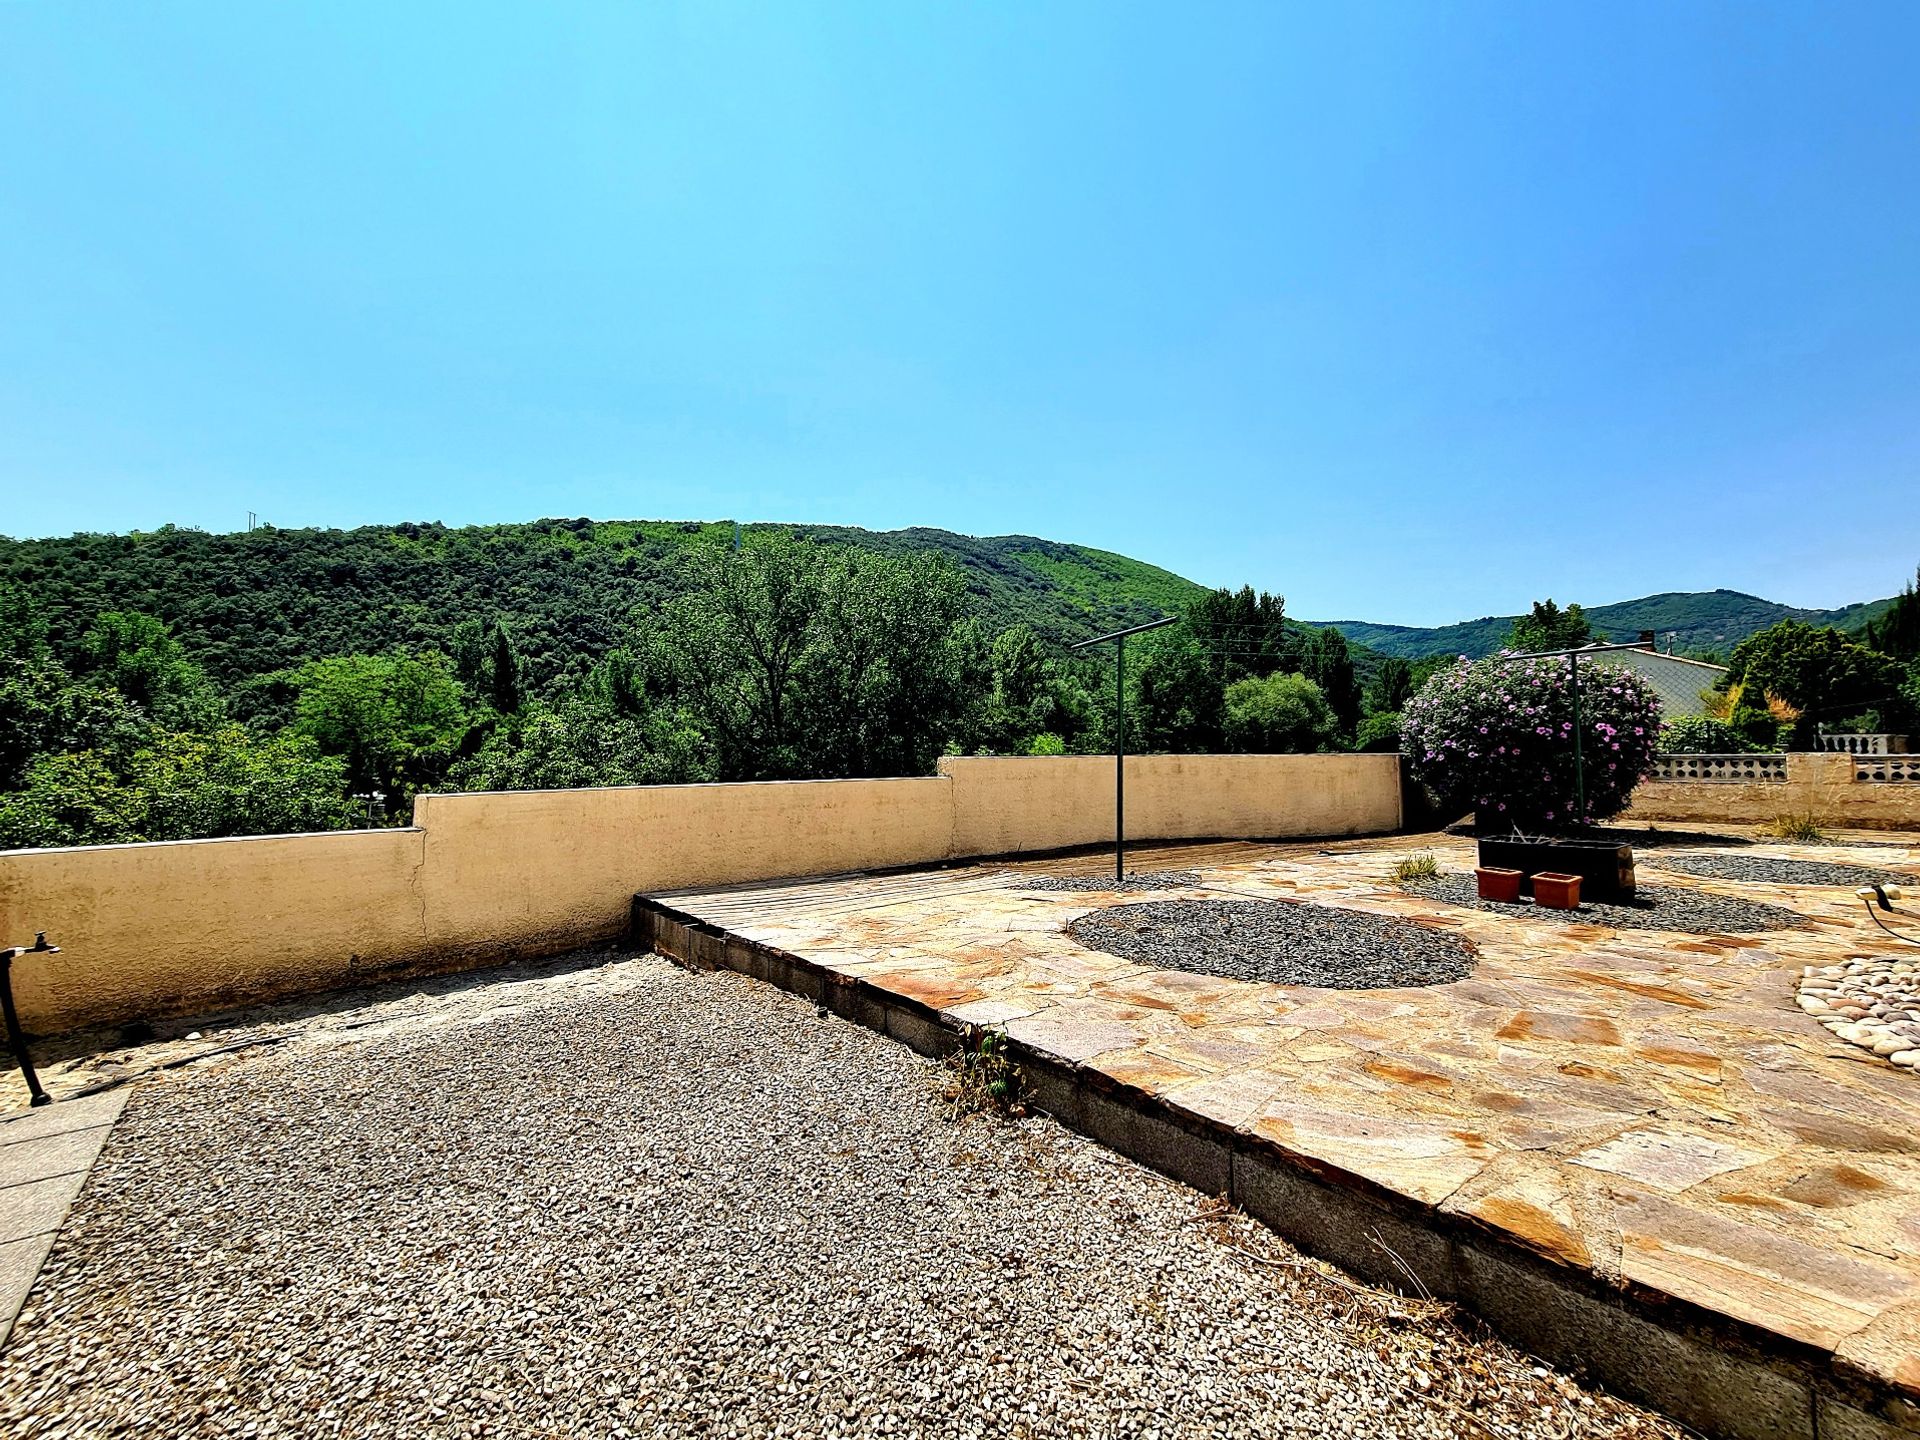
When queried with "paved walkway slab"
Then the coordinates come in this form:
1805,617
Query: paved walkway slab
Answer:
1643,1121
45,1155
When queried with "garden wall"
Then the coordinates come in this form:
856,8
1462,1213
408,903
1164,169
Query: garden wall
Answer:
190,926
1004,807
1830,788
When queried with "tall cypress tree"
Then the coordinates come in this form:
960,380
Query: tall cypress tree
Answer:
1331,668
504,681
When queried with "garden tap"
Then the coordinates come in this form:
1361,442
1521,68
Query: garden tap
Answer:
15,1038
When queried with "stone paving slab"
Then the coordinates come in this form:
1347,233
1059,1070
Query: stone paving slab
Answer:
45,1156
1648,1111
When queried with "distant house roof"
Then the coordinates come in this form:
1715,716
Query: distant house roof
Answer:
1677,680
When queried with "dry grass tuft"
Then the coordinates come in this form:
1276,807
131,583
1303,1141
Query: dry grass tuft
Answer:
1804,828
1416,867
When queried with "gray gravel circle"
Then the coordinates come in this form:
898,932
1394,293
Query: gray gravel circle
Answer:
1136,880
1771,870
1654,907
1276,942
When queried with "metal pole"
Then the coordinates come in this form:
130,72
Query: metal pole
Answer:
1120,760
1119,639
1579,752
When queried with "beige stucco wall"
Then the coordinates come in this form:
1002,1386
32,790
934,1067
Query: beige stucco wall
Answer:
1003,806
548,869
1818,785
199,924
184,927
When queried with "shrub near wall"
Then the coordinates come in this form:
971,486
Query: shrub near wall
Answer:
1497,736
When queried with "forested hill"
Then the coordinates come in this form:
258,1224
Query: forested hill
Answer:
253,602
1698,621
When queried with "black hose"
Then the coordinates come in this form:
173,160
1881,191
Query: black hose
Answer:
1907,939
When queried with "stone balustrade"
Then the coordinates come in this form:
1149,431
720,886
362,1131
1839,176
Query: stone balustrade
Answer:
1720,769
1887,769
1835,791
1863,744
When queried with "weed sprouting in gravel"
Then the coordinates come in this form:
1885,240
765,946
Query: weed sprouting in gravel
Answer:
1804,828
1416,867
982,1080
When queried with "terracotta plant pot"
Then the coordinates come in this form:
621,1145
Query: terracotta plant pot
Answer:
1556,892
1605,865
1500,885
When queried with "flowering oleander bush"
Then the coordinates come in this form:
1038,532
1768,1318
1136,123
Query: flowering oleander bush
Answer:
1497,736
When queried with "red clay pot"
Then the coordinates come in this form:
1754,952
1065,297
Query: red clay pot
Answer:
1500,885
1556,892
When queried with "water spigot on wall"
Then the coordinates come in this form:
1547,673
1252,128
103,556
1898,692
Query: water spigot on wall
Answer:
15,1038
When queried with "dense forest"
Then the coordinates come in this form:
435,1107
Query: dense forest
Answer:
255,602
177,684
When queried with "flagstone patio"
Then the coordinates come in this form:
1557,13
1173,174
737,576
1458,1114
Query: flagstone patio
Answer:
1647,1117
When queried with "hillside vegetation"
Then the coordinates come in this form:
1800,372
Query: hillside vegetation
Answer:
252,603
178,684
1697,622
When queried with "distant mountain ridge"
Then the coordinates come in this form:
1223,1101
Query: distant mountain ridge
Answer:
1683,620
251,602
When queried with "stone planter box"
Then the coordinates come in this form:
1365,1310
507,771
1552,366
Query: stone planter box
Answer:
1605,868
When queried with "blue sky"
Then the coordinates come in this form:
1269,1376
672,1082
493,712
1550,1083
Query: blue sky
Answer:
1411,312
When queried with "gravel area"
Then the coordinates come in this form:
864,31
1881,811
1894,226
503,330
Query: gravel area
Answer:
693,1205
1136,880
1654,907
1286,944
1771,870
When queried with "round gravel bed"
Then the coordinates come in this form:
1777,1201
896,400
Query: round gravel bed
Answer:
1654,907
1136,880
1771,870
664,1204
1283,944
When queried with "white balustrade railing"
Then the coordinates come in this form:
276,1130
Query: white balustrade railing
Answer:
1887,769
1720,769
1864,744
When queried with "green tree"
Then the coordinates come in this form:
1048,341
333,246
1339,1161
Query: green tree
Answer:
1244,632
1897,631
814,660
397,721
1392,686
1548,627
587,742
177,787
1279,715
1019,669
231,782
1703,735
504,673
1179,700
138,656
621,683
1816,670
44,710
1027,693
1379,732
1330,666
